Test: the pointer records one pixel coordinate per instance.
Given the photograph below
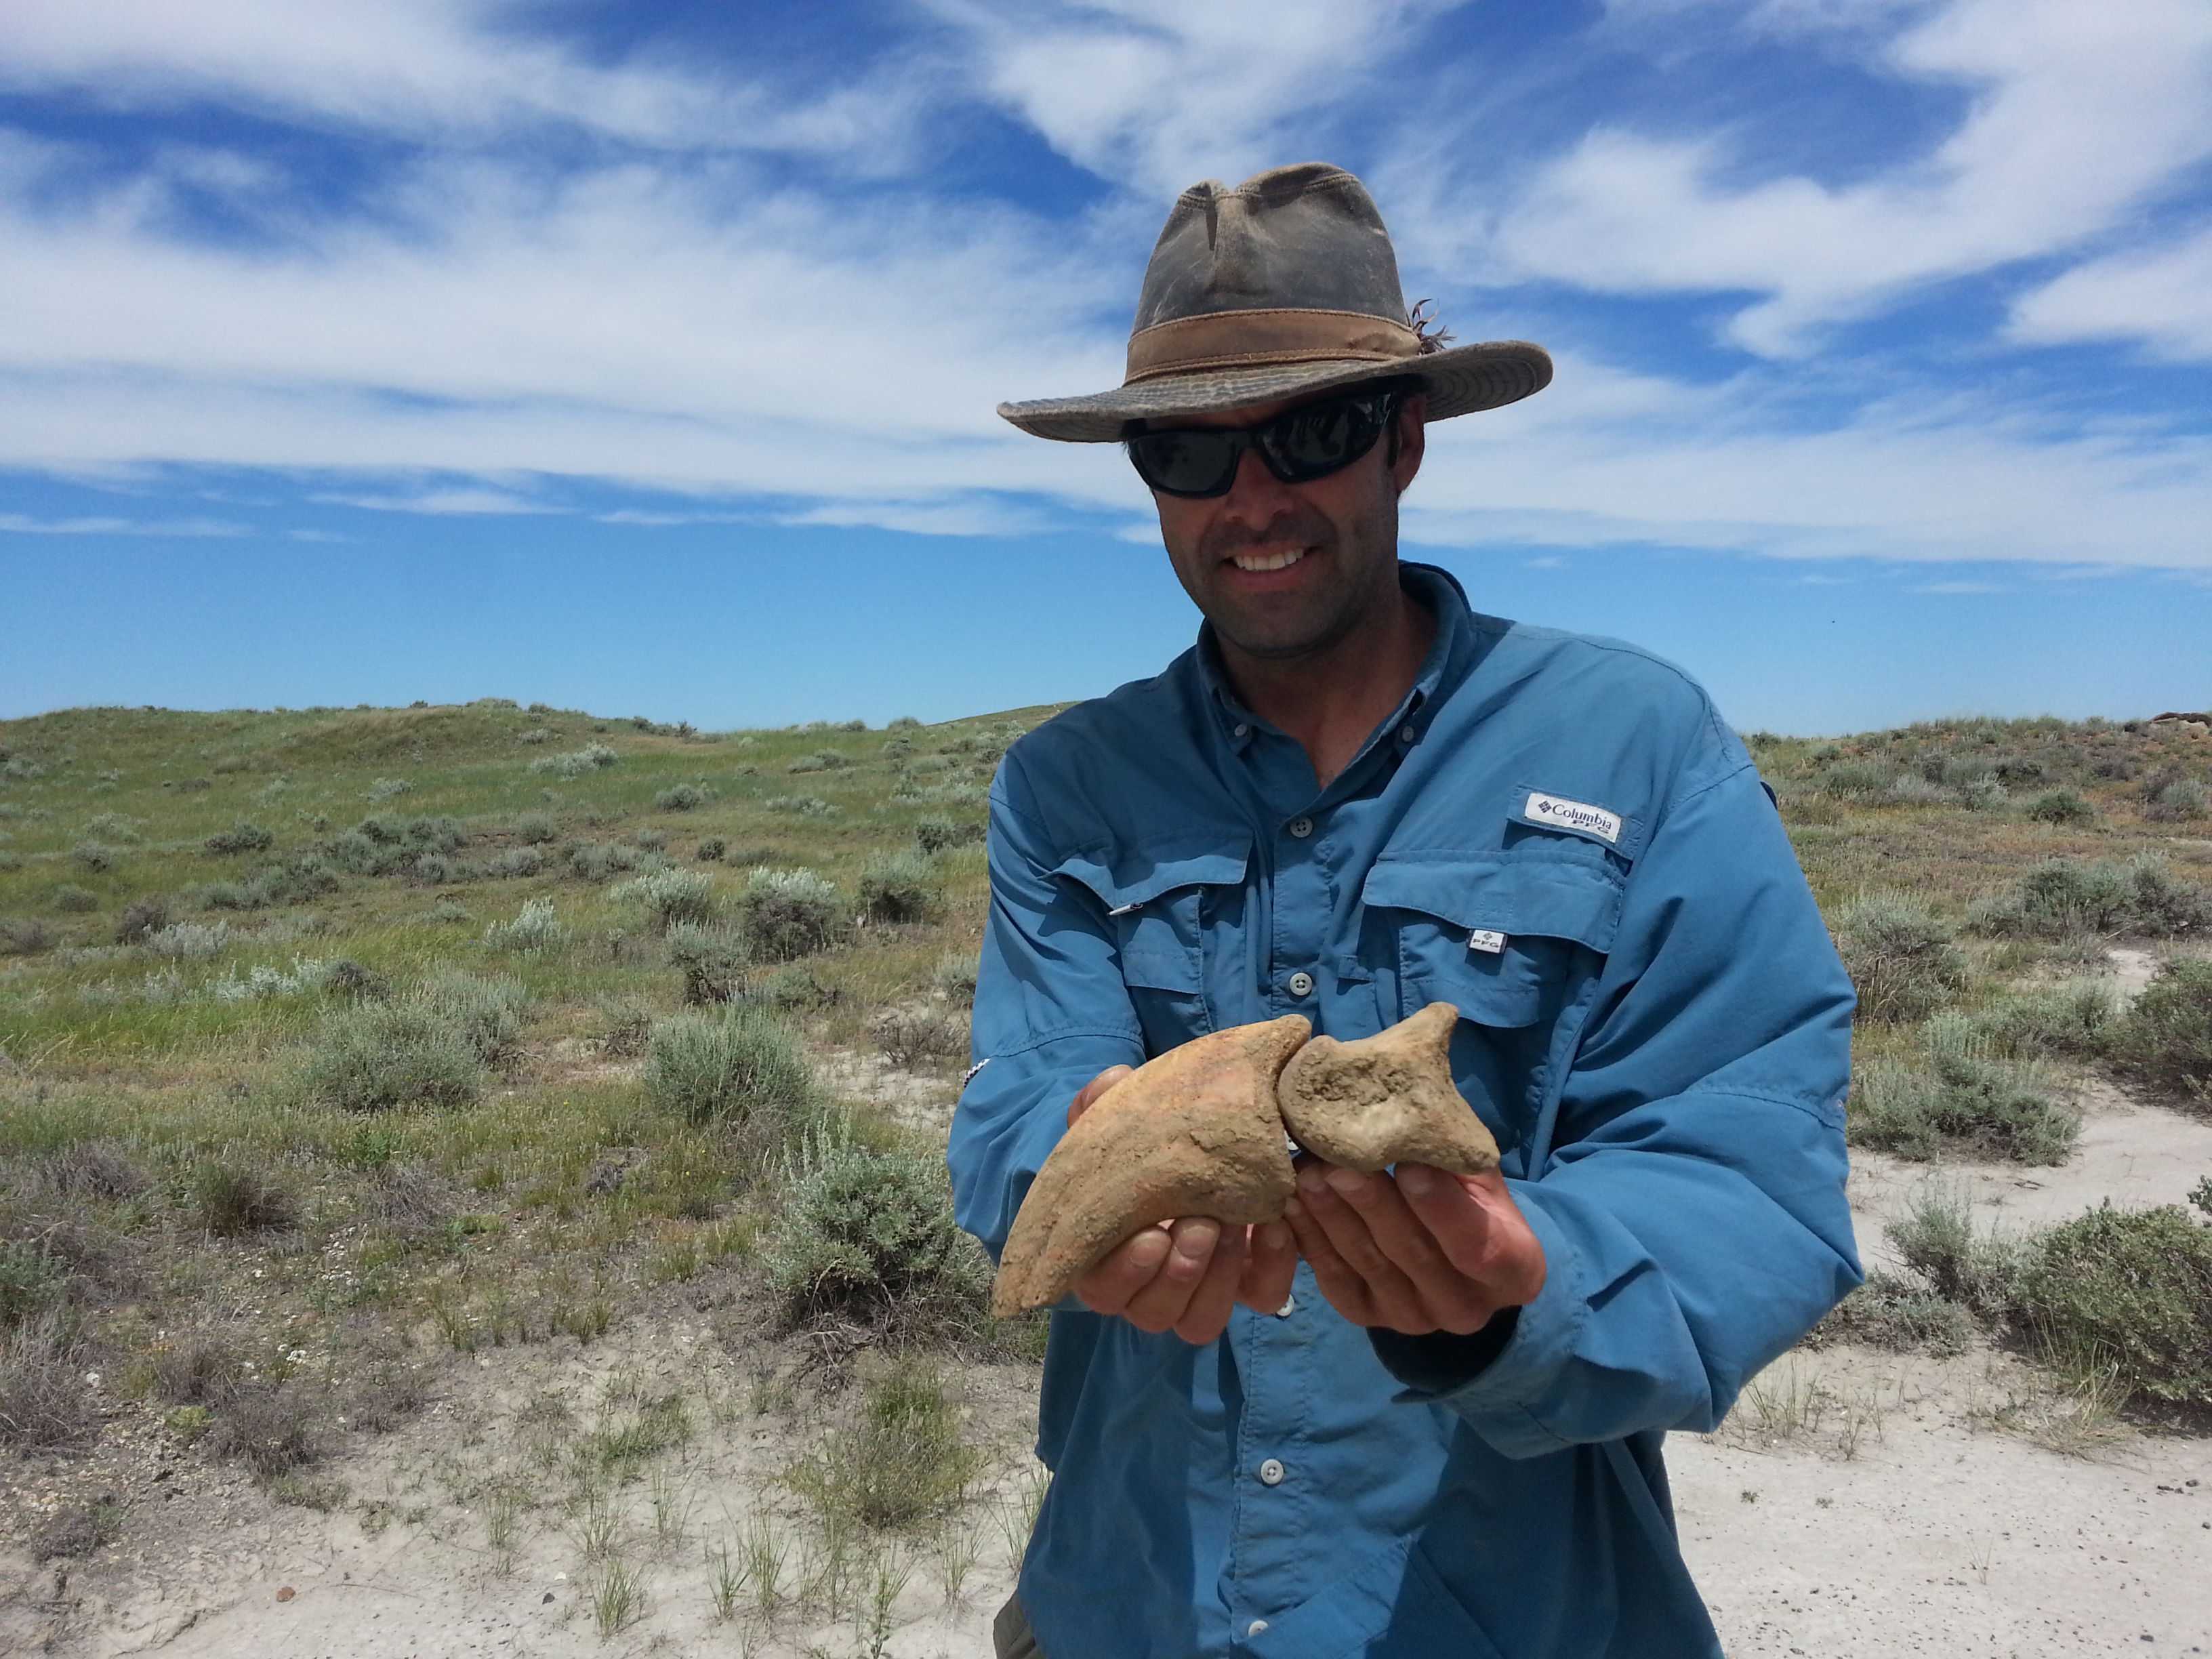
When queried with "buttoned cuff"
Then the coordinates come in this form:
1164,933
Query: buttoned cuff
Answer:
1499,1395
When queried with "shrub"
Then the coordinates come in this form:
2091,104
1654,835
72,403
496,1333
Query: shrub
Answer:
233,1202
797,989
654,841
1857,781
822,760
710,850
1961,1100
243,837
384,789
2061,806
2062,897
91,1169
2182,798
2126,1295
868,1234
733,1065
96,856
536,829
31,1282
711,961
804,806
670,896
954,976
1899,955
235,895
577,762
515,864
190,941
112,826
683,798
904,723
1984,795
534,737
267,1427
140,919
901,1462
916,1033
44,1404
24,936
1889,1312
72,900
2165,1040
487,1012
534,929
382,1054
897,749
1936,1242
788,913
901,886
935,835
2072,1020
595,861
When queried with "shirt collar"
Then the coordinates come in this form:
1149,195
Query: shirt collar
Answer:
1450,655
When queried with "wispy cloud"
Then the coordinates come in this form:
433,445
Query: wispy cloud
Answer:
2160,297
2078,115
19,524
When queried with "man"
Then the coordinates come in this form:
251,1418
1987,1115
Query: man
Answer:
1422,1415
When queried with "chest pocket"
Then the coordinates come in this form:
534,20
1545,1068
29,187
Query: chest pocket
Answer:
1539,911
1159,900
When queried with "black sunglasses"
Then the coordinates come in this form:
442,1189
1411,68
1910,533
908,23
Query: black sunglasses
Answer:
1306,444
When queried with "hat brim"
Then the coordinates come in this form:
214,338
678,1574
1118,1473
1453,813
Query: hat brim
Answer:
1459,380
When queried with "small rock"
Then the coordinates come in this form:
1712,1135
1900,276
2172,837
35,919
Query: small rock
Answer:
286,1593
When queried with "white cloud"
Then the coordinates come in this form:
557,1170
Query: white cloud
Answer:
22,523
465,500
2162,296
1160,93
442,69
2080,113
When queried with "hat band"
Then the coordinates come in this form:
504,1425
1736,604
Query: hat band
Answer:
1239,339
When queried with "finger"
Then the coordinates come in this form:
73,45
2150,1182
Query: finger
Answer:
1271,1265
1480,1229
1165,1299
1447,1298
1207,1315
1326,1194
1087,1097
1125,1270
1340,1286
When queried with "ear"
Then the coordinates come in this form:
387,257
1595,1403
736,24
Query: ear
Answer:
1409,437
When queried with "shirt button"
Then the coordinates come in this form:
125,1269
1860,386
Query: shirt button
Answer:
1300,984
1290,1306
1256,1627
1300,827
1406,734
1244,730
1271,1473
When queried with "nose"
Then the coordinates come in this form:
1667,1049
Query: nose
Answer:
1257,497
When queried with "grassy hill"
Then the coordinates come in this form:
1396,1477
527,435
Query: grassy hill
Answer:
332,1041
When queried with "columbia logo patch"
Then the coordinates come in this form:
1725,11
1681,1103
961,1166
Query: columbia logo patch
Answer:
1573,815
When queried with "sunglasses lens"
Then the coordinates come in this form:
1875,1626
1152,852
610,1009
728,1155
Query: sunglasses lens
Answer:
1314,442
1186,463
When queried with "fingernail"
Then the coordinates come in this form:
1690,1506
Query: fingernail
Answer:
1312,1178
1149,1249
1416,1179
1292,1210
1347,1181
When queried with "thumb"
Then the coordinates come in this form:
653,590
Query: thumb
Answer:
1098,1085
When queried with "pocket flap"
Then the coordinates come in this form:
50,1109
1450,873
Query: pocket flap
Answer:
1123,877
1516,894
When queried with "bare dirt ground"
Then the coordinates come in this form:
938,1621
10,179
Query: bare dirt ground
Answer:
1859,1504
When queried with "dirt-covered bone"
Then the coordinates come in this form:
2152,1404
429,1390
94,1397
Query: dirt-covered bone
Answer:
1386,1099
1193,1132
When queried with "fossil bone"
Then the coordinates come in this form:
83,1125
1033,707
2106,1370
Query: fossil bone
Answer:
1194,1132
1386,1099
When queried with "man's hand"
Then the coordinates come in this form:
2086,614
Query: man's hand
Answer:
1427,1251
1184,1273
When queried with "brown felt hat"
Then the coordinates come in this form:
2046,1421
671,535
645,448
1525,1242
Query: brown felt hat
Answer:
1283,286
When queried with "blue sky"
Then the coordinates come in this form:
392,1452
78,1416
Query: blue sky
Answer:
643,356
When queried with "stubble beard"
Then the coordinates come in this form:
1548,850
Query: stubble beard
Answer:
1294,625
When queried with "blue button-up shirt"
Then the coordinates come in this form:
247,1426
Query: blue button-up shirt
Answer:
1559,836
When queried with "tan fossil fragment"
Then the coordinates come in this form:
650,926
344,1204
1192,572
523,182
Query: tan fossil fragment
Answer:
1193,1132
1386,1099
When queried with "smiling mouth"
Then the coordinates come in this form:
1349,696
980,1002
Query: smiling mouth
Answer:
1264,561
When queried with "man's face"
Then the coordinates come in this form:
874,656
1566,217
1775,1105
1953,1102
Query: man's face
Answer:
1286,570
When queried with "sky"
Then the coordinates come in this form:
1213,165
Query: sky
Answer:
643,357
